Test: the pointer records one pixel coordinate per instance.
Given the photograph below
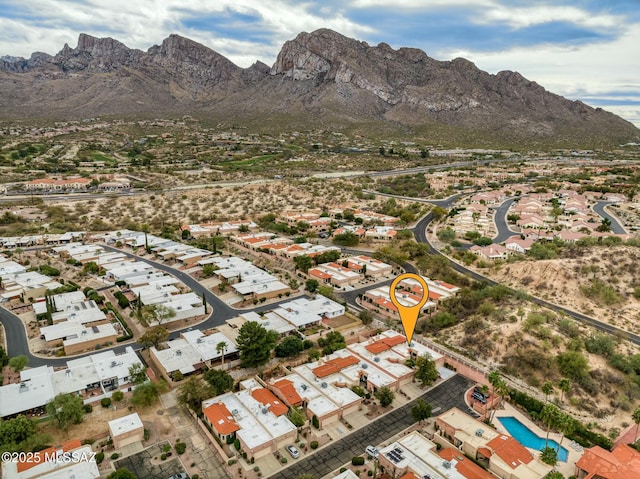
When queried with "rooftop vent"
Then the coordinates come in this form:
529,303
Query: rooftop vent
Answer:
114,364
446,465
304,387
178,353
479,432
365,365
323,385
376,359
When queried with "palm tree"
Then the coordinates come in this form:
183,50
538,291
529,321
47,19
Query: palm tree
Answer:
567,425
547,388
497,384
549,415
565,386
221,348
636,418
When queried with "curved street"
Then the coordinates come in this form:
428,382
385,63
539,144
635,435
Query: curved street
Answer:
616,227
17,343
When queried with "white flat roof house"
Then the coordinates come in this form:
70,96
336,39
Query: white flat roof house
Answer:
103,371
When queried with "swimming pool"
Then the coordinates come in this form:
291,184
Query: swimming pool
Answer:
528,438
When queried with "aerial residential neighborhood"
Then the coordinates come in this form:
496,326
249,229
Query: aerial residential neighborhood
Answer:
408,248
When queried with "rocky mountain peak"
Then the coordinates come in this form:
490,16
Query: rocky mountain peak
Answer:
318,78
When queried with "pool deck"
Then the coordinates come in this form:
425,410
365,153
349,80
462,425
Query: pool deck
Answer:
566,468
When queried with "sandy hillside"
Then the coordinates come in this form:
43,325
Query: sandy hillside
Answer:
599,283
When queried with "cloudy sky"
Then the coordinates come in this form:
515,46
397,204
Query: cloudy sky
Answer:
581,49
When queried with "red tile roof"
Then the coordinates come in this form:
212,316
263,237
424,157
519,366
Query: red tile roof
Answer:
264,397
464,466
221,419
289,392
510,451
622,463
41,456
334,365
385,343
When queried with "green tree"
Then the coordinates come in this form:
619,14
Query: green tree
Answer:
193,391
117,396
137,373
572,364
161,313
421,410
636,419
147,394
549,415
122,473
549,456
554,475
220,381
303,263
255,344
426,370
154,336
385,396
289,347
547,389
332,342
18,363
311,285
365,317
297,416
15,432
66,409
326,291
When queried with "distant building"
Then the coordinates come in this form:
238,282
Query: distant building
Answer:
598,463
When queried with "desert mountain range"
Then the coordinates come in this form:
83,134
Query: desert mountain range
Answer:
319,79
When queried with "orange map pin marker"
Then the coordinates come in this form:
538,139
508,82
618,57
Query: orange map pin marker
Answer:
409,314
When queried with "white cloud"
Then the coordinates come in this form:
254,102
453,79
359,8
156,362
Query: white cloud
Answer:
536,15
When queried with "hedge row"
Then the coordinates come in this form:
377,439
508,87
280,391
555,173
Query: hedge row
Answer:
126,327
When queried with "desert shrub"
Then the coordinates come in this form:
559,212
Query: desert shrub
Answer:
357,461
105,402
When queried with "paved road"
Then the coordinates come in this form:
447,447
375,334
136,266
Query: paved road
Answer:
500,219
420,233
17,343
616,227
444,396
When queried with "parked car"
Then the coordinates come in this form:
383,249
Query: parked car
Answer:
372,451
182,475
479,397
293,450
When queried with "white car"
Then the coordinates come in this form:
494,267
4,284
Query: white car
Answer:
293,450
372,451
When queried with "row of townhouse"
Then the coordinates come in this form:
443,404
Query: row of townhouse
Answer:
141,281
77,324
517,245
410,292
246,279
194,350
219,228
369,233
12,242
92,378
313,221
322,389
280,246
54,184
